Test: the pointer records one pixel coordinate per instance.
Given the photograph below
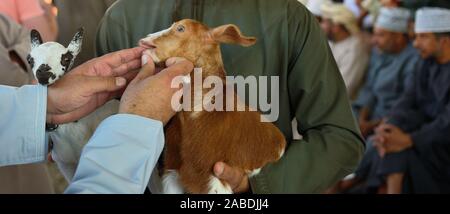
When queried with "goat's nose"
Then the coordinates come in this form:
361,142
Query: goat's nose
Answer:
43,75
43,68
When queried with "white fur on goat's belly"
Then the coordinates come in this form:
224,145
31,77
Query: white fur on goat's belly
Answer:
69,139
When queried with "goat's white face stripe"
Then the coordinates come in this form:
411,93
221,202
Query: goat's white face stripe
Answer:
158,34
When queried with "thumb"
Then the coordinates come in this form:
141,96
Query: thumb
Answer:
225,172
104,84
148,67
177,66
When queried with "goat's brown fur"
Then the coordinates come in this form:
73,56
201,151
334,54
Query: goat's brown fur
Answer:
195,143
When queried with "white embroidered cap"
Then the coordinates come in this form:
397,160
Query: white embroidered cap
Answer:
432,20
394,19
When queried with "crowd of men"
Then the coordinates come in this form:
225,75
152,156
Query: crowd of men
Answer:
395,61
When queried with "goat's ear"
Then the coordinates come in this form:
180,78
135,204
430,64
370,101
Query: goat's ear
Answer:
36,39
77,41
231,34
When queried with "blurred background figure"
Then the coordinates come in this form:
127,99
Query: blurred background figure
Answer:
392,62
81,13
369,12
354,6
33,14
414,146
14,48
314,6
410,150
390,3
349,50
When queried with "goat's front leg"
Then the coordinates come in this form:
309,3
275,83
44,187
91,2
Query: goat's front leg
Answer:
171,183
172,159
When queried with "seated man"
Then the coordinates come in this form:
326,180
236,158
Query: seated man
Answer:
346,42
290,45
416,141
412,151
391,64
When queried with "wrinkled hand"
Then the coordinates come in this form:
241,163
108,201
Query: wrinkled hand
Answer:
149,94
236,178
391,139
90,85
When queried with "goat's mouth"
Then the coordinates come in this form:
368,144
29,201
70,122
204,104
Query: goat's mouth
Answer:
151,51
147,44
158,62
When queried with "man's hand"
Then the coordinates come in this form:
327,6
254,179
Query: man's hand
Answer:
237,178
391,139
89,86
149,94
367,127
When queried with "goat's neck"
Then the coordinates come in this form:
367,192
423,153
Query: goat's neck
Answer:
211,65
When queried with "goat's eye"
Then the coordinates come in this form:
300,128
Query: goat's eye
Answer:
180,28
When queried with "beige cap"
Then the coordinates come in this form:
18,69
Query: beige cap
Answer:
340,14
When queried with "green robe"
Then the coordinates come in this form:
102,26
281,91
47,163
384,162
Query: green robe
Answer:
290,45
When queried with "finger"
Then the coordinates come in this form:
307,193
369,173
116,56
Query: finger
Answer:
380,128
383,128
375,139
380,147
243,186
387,128
382,152
375,122
82,111
148,67
372,138
228,174
104,84
177,67
124,68
380,139
118,58
129,76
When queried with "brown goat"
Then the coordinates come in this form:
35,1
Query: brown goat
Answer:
195,141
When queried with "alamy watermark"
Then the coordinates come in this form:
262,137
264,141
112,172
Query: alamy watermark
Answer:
212,100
